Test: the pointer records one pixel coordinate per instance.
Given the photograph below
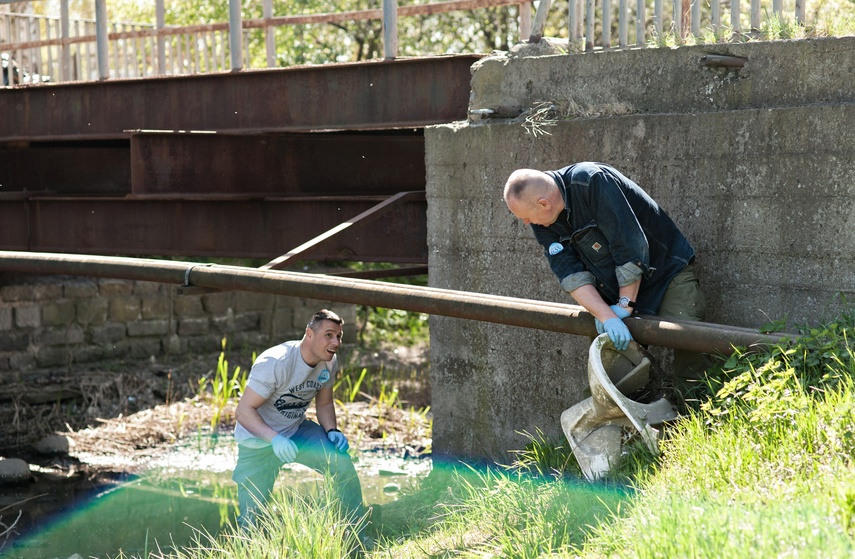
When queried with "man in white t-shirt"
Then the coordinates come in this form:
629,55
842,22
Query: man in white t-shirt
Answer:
272,428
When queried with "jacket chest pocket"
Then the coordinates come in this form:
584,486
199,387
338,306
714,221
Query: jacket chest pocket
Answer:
593,248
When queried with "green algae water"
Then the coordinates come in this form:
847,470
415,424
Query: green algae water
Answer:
188,490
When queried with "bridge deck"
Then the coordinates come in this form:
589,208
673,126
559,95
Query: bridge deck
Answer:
245,164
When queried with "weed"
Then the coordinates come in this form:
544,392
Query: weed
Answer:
225,387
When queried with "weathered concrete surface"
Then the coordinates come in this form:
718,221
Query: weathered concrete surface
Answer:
775,74
765,191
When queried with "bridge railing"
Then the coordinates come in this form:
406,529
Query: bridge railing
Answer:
38,49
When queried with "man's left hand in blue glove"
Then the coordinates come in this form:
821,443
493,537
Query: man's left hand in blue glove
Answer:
337,438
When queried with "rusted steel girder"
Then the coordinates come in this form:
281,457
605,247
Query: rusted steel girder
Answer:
316,164
89,167
541,315
368,216
262,227
377,94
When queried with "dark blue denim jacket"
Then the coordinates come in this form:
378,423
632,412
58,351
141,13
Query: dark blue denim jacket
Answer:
612,233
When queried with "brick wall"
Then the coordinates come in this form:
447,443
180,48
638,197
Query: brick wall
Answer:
51,322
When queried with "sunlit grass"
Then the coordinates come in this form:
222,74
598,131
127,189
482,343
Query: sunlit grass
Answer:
292,525
225,387
762,468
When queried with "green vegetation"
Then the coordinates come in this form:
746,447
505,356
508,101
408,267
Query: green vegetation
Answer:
762,467
226,386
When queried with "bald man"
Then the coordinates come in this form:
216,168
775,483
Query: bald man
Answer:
613,249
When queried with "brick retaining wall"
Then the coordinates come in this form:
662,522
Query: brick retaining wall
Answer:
50,322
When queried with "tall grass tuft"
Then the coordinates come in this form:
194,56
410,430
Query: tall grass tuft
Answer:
226,386
290,525
512,514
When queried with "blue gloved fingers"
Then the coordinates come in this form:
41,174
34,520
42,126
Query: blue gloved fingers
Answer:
599,325
620,311
618,333
284,448
337,438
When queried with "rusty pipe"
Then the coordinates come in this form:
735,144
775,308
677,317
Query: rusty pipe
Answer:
542,315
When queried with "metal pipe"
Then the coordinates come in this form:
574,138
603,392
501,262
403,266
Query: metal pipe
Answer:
541,315
723,60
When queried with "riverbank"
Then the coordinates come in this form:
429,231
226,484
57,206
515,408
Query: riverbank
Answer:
120,418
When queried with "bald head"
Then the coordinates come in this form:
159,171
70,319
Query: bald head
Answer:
533,197
527,183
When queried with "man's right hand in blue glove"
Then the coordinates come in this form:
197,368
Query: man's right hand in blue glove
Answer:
618,333
284,448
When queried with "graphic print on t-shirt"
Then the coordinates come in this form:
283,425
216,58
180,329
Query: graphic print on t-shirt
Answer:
293,403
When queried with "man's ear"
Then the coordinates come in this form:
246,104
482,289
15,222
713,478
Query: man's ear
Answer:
544,203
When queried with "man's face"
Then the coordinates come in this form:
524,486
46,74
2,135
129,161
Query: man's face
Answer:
539,212
325,341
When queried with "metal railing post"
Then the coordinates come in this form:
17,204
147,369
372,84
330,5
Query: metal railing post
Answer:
102,40
235,35
160,15
269,34
390,29
65,49
525,21
539,21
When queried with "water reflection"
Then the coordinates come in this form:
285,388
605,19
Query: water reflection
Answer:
188,489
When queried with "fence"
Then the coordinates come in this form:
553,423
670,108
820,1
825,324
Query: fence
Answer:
688,18
39,48
48,48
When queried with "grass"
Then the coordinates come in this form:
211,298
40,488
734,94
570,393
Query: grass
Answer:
226,387
763,467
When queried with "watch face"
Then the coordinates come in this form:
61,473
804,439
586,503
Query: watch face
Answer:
623,302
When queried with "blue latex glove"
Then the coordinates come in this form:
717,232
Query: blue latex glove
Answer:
619,311
618,333
284,448
337,438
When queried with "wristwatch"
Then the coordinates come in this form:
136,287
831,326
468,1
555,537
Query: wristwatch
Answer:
625,303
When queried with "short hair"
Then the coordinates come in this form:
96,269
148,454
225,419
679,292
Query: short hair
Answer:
322,315
521,181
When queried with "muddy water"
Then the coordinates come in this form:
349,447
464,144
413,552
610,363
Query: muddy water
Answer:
185,490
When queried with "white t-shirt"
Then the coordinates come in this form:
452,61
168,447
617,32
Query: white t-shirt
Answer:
282,377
